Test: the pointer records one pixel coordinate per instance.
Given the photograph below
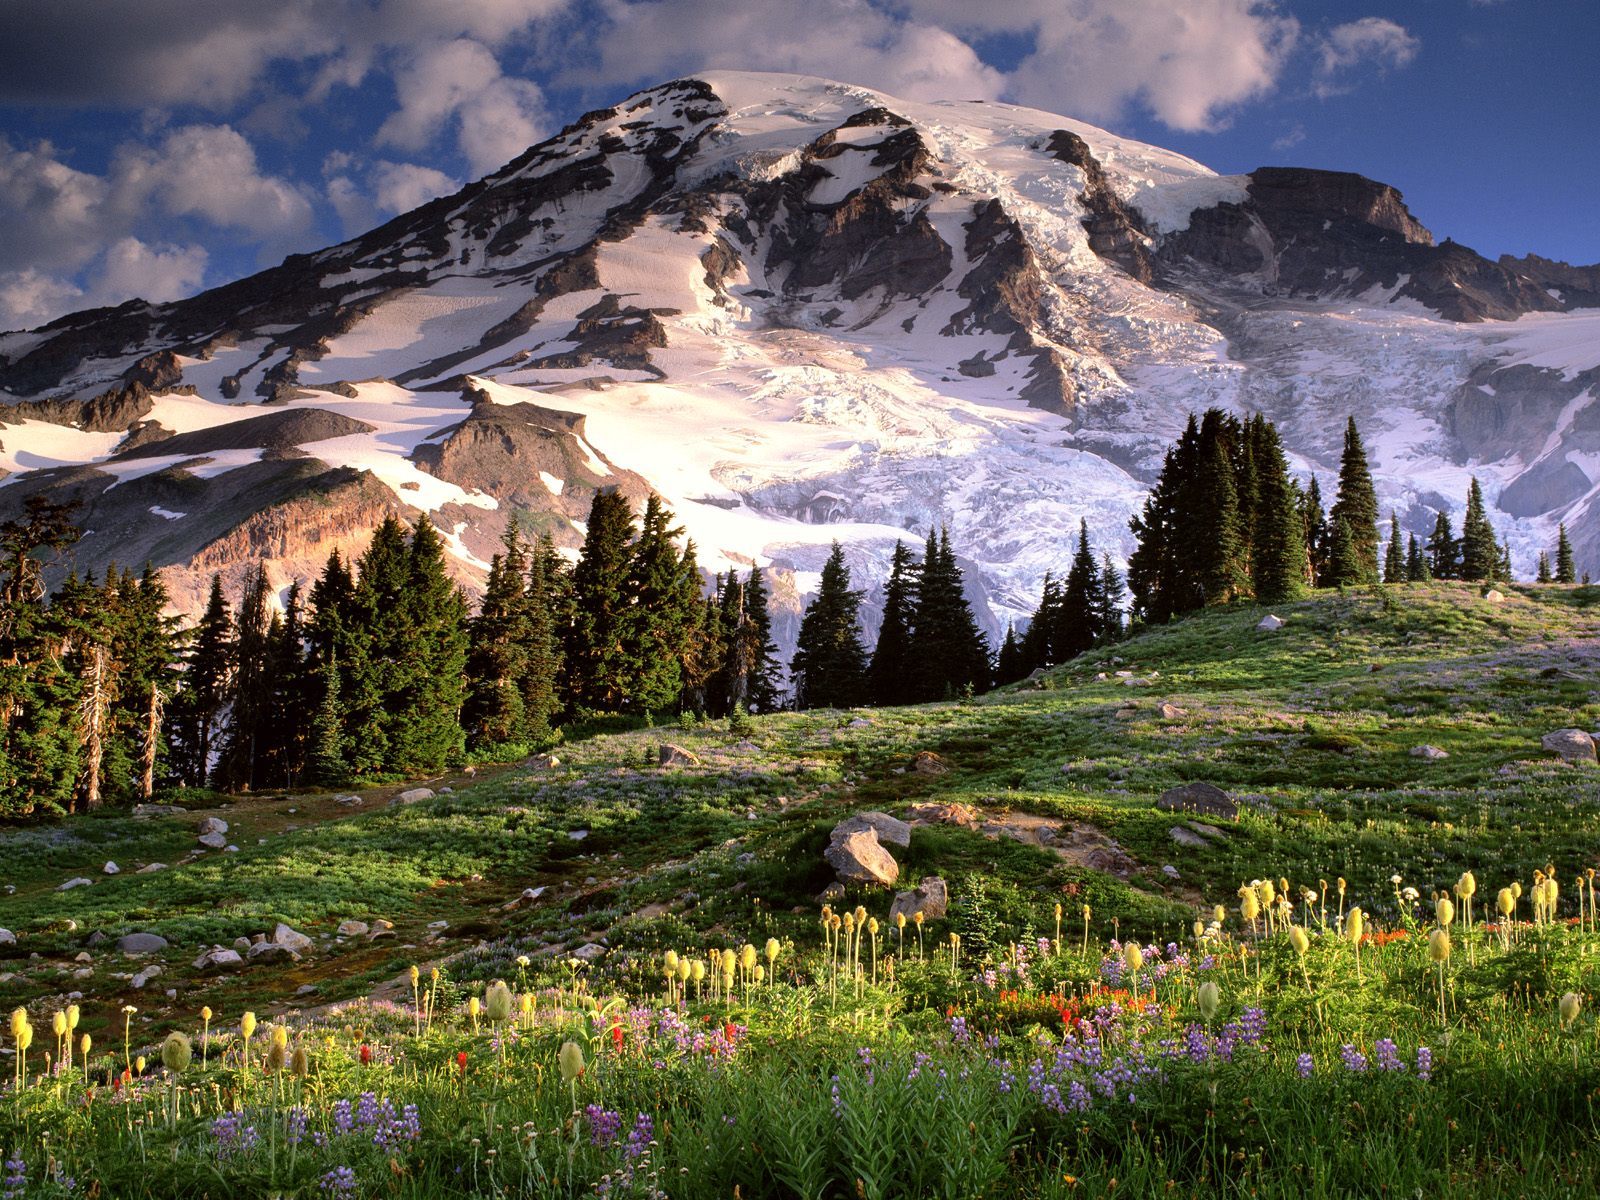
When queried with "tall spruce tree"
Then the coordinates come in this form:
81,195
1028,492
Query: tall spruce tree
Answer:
1444,549
1566,571
1158,578
1078,621
1480,552
541,659
1278,568
1394,557
207,676
948,652
1543,575
1220,559
1416,562
664,586
249,697
1112,593
1036,648
497,650
890,677
424,731
1318,537
829,667
1009,664
1357,507
1345,564
765,691
597,665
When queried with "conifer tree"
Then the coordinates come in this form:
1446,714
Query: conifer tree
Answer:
597,666
1444,550
1416,563
541,661
1566,572
1543,575
1112,594
948,652
1278,565
497,651
1010,665
250,695
326,760
379,666
1078,622
1394,558
1344,556
1221,565
890,679
765,691
1357,507
1036,648
1480,552
1161,586
663,585
829,666
424,732
1317,535
207,679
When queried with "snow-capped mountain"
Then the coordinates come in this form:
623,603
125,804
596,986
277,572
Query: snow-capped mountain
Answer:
804,311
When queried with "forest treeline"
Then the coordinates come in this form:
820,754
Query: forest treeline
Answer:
381,670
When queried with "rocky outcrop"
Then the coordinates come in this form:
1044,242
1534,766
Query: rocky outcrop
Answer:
930,898
1116,229
1573,745
1207,799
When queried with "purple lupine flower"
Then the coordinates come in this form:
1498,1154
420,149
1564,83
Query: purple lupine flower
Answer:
232,1135
1354,1060
1424,1063
639,1137
1078,1097
1387,1055
339,1183
838,1100
958,1030
1303,1066
16,1177
343,1122
605,1125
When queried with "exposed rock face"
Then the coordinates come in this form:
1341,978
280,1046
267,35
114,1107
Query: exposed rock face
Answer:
1207,799
1116,229
141,943
931,898
889,829
1573,745
675,756
857,857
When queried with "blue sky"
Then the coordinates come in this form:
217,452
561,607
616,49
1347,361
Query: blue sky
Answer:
155,147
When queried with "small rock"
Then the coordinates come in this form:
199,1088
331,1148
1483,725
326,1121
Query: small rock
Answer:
1170,871
1124,674
544,762
1204,798
857,857
217,959
926,762
1168,711
888,829
859,723
381,924
352,928
577,835
1187,837
1100,676
305,989
1494,596
141,943
212,825
348,800
158,810
97,938
1269,623
111,868
834,891
77,882
151,868
213,841
669,755
83,956
1206,831
83,973
380,933
1429,752
413,796
944,814
7,938
145,975
1573,745
283,935
230,849
931,898
438,924
589,952
244,943
447,791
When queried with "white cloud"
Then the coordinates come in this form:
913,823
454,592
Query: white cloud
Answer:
1371,41
156,273
838,39
400,187
31,297
364,193
210,171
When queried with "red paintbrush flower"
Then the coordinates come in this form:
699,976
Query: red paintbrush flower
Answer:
461,1061
366,1055
616,1037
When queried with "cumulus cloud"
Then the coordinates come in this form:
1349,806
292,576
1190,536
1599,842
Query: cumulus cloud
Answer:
838,39
1369,42
209,171
365,193
127,269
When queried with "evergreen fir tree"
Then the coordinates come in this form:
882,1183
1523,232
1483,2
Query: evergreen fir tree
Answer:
1480,551
1344,555
1394,558
1112,593
378,667
250,696
1444,550
326,764
1357,507
890,679
1221,565
1416,563
829,665
765,692
1010,666
1078,622
497,651
664,586
1157,579
1566,571
1543,575
1036,649
1278,566
424,730
948,652
1317,535
206,682
541,661
597,666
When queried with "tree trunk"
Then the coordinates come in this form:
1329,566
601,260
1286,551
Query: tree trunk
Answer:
92,713
152,731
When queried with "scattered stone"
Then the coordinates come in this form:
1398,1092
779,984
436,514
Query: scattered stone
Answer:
1270,623
1124,674
1170,871
1495,596
158,810
271,952
217,960
212,825
675,756
145,975
213,841
305,989
858,858
1086,846
577,835
97,938
83,956
380,933
544,762
859,723
944,814
1573,745
1168,711
926,762
1207,799
1206,831
1429,752
141,943
283,935
412,796
888,829
242,944
834,891
151,868
1127,712
444,791
1187,837
230,848
931,898
7,938
353,928
77,882
589,952
438,924
110,868
349,800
